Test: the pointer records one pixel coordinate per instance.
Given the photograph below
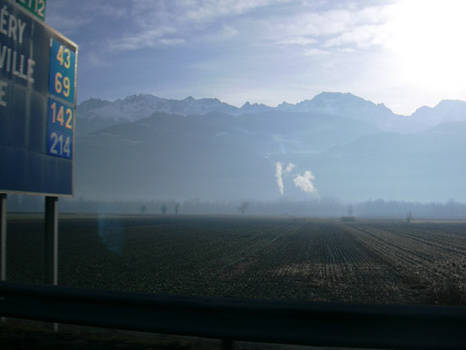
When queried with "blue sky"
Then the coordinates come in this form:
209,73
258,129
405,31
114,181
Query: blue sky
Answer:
404,53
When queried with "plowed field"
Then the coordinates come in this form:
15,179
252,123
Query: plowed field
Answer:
304,259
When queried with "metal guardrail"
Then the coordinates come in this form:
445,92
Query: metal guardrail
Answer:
318,324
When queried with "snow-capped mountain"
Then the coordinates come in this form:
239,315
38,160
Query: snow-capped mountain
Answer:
138,107
142,106
344,104
95,113
252,108
444,112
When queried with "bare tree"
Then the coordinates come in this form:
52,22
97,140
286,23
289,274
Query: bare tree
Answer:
143,208
409,217
243,207
177,208
163,209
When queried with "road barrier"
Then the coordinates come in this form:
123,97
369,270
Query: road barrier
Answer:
317,324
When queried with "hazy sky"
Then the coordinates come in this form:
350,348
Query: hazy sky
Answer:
404,53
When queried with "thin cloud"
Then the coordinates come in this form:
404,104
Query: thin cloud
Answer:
67,25
201,11
316,52
172,41
299,40
148,38
332,29
95,60
186,19
226,32
69,16
153,23
361,37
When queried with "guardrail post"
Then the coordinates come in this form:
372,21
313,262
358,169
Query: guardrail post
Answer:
227,344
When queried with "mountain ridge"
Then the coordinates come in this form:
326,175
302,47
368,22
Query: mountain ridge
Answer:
140,106
208,105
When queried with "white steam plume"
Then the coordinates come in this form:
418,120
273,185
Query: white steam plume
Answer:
279,177
304,182
289,168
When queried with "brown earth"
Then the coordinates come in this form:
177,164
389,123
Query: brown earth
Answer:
367,261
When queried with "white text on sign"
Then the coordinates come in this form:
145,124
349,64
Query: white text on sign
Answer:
12,61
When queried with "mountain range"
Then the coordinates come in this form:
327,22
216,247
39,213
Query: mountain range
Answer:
335,145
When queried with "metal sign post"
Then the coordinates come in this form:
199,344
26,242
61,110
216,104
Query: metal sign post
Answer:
3,198
51,244
51,241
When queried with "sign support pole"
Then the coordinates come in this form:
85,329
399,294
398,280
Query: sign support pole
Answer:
51,241
3,198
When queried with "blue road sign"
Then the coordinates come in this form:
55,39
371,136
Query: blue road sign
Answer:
38,69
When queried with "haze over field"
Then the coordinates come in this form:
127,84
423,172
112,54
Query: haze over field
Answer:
334,145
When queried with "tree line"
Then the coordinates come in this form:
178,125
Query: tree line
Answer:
325,207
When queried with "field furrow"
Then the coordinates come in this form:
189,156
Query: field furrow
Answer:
272,258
